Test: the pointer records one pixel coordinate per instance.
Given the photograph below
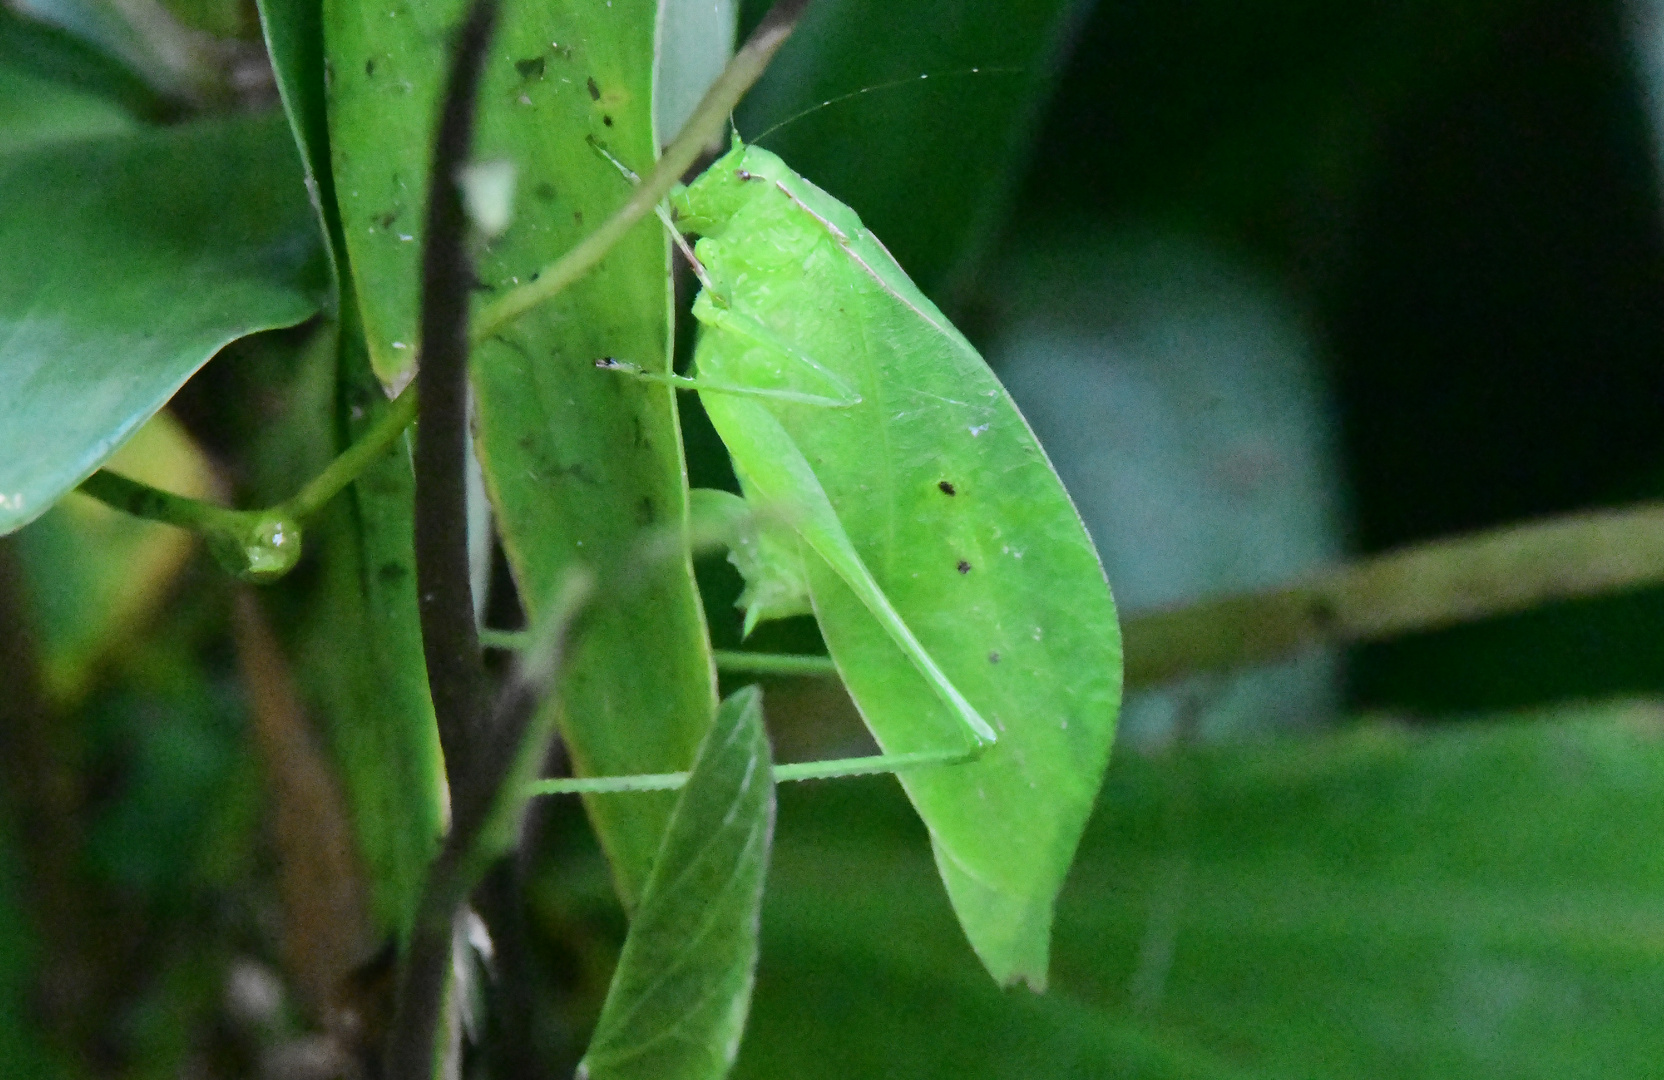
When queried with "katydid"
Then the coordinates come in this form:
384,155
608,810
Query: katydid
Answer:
956,588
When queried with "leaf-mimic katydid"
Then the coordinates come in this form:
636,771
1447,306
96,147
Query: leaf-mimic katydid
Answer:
953,581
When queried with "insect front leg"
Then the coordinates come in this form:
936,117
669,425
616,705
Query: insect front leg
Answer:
721,318
709,386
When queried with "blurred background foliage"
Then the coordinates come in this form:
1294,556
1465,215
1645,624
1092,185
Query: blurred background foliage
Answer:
1277,284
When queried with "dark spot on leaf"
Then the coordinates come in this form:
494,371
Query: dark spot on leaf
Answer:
370,66
578,216
386,220
964,567
530,68
947,488
607,120
545,191
390,573
645,512
594,91
993,658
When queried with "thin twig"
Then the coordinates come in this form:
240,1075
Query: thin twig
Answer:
1424,587
704,125
455,665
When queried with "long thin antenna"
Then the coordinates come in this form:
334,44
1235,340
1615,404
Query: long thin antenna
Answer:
891,85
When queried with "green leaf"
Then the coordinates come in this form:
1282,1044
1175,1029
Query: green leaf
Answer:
130,260
53,56
357,636
36,110
347,619
96,575
679,997
295,45
577,462
1389,902
938,157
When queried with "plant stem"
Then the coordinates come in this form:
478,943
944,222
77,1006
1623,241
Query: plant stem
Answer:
352,461
835,769
702,127
731,661
455,665
152,503
155,505
1423,587
737,662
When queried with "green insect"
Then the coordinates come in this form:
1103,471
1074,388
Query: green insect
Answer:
955,586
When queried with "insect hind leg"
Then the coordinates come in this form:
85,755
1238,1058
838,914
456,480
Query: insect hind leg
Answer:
718,316
684,382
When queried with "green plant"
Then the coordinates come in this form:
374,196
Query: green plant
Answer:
567,290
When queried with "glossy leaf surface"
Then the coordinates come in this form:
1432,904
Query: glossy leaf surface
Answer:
928,501
679,997
578,463
140,257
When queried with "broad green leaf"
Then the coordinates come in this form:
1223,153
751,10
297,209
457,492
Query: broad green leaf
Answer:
55,57
679,997
130,260
578,463
930,164
955,585
1390,902
36,110
96,575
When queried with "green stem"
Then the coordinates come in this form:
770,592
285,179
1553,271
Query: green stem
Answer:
254,545
152,503
701,129
351,462
505,640
730,661
804,770
750,663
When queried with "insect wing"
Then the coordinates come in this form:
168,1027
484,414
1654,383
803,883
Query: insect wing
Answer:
952,510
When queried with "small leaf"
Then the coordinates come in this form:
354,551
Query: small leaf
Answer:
130,260
679,998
